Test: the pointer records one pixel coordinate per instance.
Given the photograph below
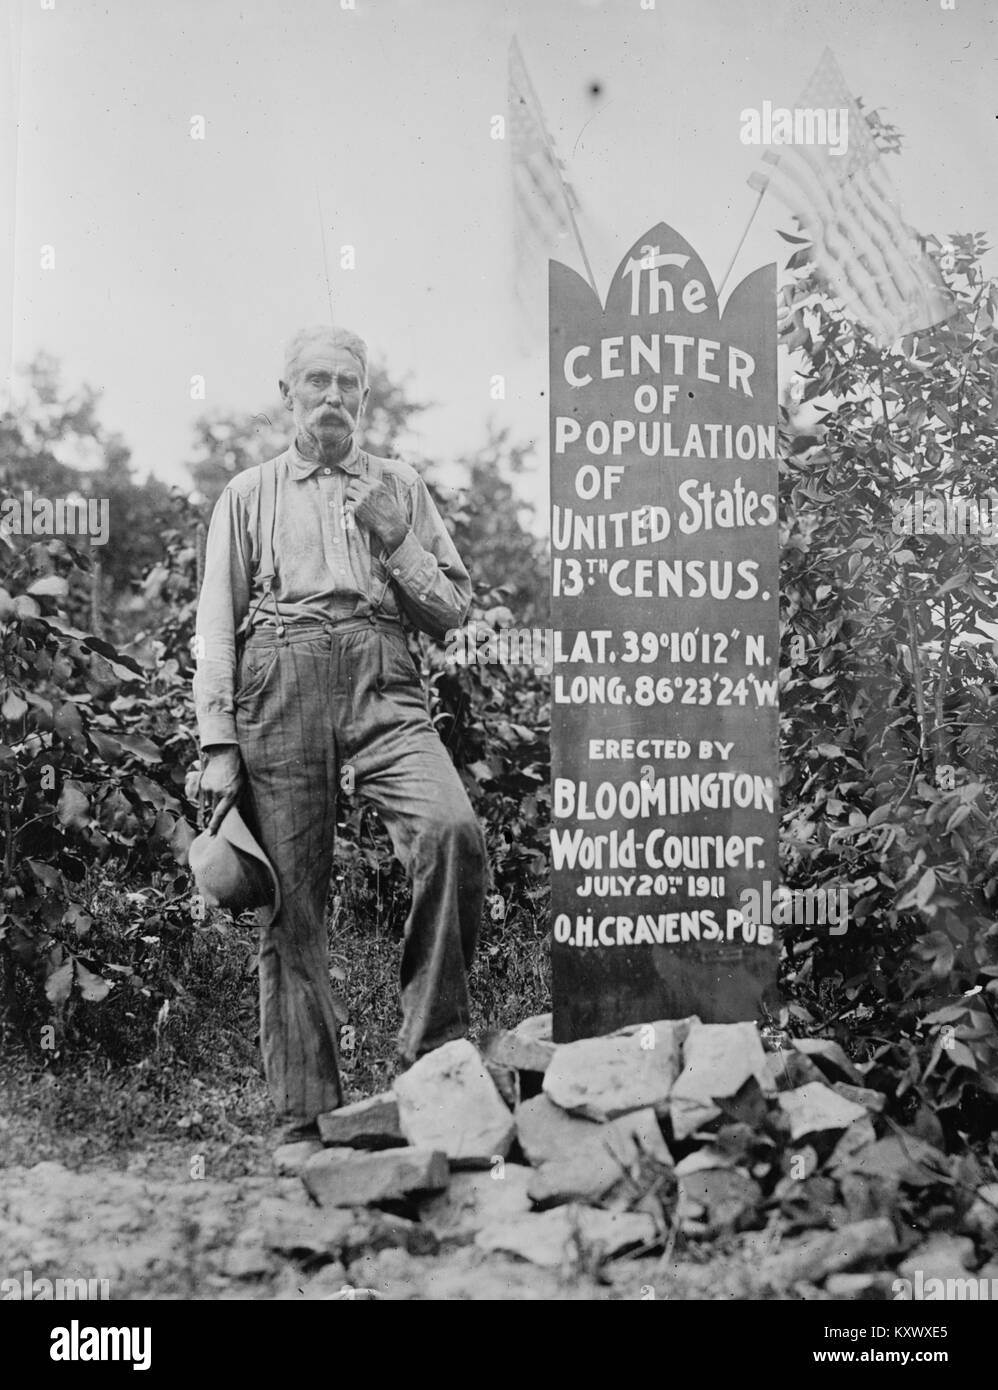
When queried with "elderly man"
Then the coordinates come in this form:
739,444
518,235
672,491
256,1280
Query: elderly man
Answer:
304,677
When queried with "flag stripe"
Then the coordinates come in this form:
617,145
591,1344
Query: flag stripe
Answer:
861,245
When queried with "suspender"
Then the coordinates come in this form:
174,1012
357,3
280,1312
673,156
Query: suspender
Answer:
267,572
268,520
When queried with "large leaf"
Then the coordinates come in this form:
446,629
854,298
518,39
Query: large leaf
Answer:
13,707
921,894
59,983
69,726
152,792
73,806
92,987
80,921
126,668
49,586
26,607
46,875
109,748
142,747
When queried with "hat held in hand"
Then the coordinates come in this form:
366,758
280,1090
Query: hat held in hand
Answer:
231,870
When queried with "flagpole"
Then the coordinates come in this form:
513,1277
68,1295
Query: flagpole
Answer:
514,45
741,239
325,258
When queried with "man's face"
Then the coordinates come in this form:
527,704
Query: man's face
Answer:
326,394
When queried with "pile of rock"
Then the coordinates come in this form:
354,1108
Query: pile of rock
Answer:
584,1151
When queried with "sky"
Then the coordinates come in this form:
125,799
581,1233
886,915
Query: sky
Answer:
177,257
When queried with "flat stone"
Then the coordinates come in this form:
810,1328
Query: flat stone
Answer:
718,1059
859,1136
475,1200
579,1159
248,1261
527,1047
716,1200
340,1231
861,1095
335,1179
448,1101
300,1230
785,1070
290,1159
830,1057
702,1160
367,1124
942,1256
631,1069
817,1254
909,1161
863,1197
553,1238
812,1203
874,1285
586,1178
816,1108
547,1133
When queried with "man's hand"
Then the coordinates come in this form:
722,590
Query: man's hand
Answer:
376,508
221,781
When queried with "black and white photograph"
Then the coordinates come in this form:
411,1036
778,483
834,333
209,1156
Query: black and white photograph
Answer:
498,668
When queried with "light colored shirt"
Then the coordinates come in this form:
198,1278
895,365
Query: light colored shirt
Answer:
327,565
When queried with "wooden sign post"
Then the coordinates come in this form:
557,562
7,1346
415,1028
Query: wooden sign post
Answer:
666,642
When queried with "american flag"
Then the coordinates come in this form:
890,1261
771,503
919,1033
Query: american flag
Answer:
846,204
544,204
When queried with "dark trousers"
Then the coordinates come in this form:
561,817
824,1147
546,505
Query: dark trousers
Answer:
308,703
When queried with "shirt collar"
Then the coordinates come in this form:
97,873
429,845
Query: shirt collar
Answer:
301,467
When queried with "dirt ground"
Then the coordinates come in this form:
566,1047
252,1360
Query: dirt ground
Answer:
182,1219
165,1193
153,1231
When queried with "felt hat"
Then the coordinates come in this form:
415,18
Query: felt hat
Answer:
231,870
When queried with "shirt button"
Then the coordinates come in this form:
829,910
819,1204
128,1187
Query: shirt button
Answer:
396,571
327,471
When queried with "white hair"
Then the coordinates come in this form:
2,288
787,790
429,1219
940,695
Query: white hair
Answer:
326,337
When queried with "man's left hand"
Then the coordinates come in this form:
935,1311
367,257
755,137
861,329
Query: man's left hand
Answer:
376,508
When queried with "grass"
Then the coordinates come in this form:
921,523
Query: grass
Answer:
509,982
124,1080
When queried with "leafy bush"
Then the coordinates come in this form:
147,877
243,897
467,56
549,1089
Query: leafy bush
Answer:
889,691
